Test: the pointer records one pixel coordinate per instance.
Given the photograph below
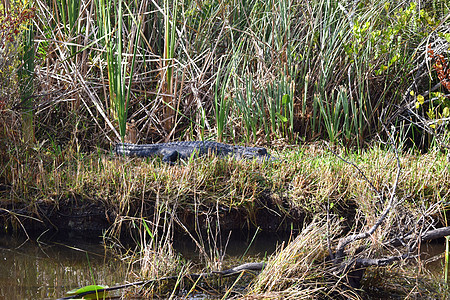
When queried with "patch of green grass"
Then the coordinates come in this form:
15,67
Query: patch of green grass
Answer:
307,177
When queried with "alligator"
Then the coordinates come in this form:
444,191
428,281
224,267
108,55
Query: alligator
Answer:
171,152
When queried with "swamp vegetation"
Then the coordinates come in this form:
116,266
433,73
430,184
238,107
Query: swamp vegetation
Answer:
352,97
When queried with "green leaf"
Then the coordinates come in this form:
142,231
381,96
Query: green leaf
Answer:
447,37
282,118
285,99
446,112
89,288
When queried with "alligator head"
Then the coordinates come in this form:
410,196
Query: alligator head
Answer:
257,153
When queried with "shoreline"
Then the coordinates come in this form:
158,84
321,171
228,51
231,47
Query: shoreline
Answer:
91,192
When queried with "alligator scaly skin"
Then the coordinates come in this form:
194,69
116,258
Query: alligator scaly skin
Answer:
184,150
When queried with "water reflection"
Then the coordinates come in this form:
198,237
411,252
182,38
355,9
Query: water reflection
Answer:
47,270
31,270
433,258
237,246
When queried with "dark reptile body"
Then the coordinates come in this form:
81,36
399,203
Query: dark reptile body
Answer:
184,150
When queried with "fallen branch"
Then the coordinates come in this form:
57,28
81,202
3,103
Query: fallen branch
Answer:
344,242
426,236
379,262
225,273
435,234
353,270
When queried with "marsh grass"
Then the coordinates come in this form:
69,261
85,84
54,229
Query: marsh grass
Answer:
237,70
254,71
27,83
307,177
299,270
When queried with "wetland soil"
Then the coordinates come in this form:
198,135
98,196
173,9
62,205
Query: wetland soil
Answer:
78,216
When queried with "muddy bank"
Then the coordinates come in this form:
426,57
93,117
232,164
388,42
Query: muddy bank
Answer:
78,216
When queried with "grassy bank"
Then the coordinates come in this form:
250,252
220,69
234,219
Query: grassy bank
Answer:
205,198
307,178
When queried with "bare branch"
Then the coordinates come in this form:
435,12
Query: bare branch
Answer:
352,238
379,262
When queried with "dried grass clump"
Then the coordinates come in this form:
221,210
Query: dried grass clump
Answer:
159,260
301,269
163,267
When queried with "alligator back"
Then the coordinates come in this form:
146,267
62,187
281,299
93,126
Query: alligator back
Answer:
183,150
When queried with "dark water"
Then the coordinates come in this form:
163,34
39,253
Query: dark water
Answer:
47,270
433,259
32,270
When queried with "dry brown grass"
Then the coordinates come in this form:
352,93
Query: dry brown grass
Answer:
299,270
308,178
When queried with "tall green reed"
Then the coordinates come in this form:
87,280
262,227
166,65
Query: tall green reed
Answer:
263,95
170,31
338,49
327,33
290,63
249,104
26,80
279,98
222,102
111,20
335,110
328,50
70,12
